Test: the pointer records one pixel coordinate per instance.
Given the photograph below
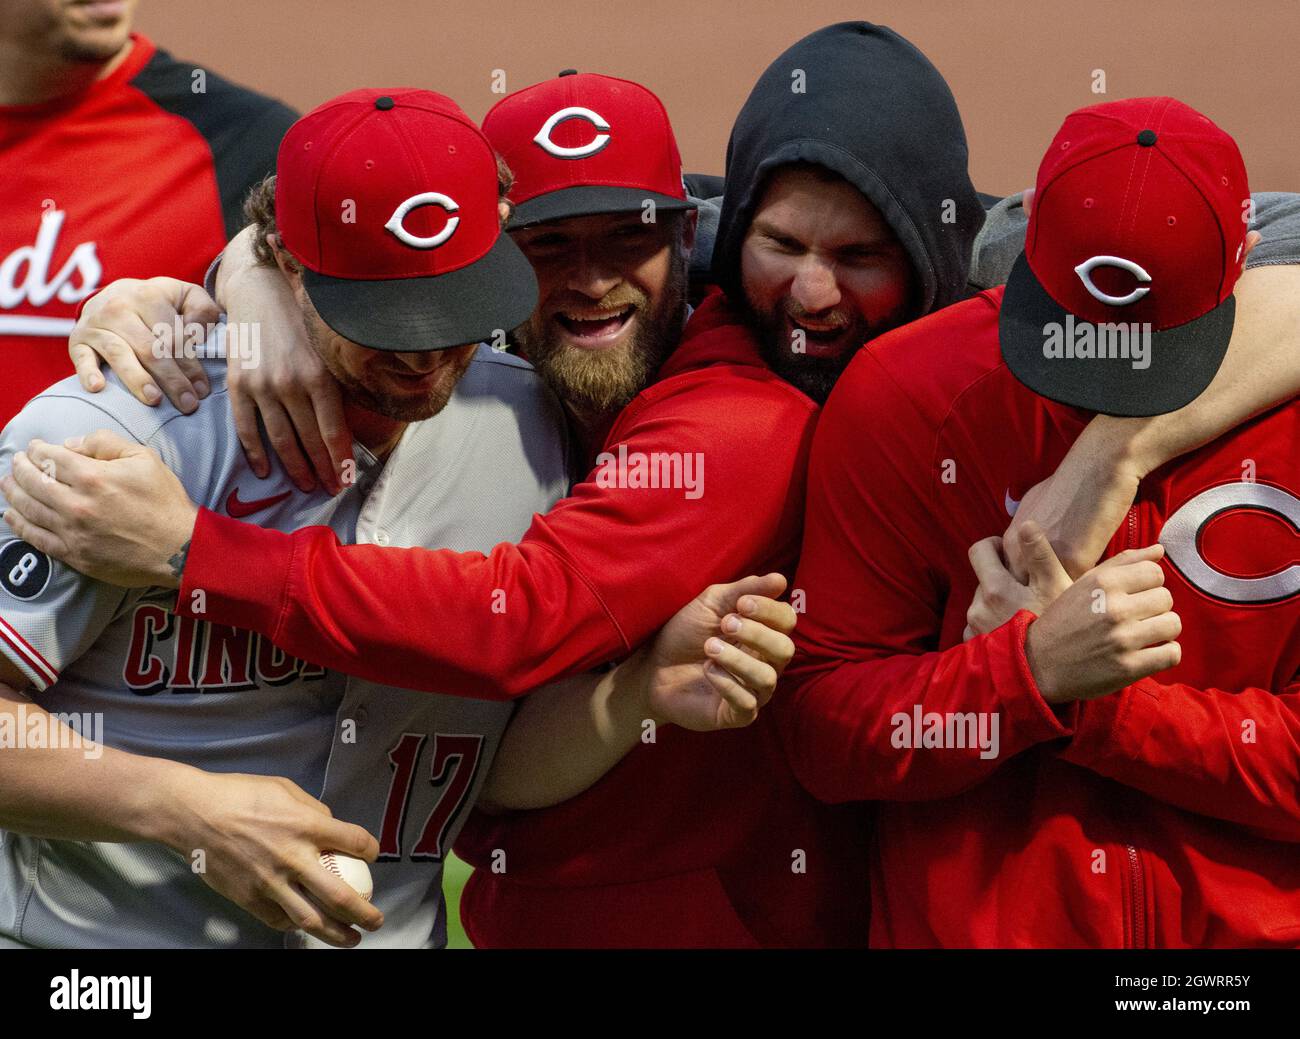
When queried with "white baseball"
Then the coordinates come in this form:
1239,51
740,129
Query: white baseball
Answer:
352,871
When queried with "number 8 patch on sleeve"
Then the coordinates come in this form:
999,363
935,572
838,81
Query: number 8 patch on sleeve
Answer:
24,572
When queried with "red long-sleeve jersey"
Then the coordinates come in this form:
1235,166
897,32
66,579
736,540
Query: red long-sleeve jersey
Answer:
142,173
1166,814
699,839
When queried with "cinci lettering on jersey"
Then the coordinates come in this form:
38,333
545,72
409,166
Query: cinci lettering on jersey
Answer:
181,653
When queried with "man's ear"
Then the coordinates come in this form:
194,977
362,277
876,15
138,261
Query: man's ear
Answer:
287,264
1253,238
1027,200
690,221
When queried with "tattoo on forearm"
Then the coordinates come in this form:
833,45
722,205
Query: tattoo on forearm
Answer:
177,562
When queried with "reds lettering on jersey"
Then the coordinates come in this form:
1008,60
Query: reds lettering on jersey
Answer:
26,277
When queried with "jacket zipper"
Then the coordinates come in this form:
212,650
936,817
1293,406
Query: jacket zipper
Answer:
1137,889
1137,900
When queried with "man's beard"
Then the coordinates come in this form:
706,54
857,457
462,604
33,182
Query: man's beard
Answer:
814,376
91,44
87,52
356,392
401,408
602,381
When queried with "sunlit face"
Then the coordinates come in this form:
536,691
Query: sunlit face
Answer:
822,273
73,30
611,303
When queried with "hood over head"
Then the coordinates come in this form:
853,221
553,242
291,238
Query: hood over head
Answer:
859,100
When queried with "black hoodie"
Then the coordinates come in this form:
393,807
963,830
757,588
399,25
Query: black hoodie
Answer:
874,110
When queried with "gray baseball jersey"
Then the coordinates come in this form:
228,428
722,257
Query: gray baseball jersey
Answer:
406,765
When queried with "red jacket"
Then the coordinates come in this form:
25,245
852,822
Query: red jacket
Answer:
1166,814
142,173
670,847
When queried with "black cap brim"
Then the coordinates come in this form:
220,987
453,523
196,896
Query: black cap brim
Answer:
1182,360
494,294
590,200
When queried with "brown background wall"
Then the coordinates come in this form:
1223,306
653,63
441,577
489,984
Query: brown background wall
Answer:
1015,67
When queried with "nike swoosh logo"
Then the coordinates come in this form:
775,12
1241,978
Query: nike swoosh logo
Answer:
1010,503
240,509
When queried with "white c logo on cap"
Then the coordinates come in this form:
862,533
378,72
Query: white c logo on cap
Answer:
601,139
428,198
1084,271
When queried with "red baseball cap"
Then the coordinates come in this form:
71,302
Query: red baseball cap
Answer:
1122,300
388,198
583,143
